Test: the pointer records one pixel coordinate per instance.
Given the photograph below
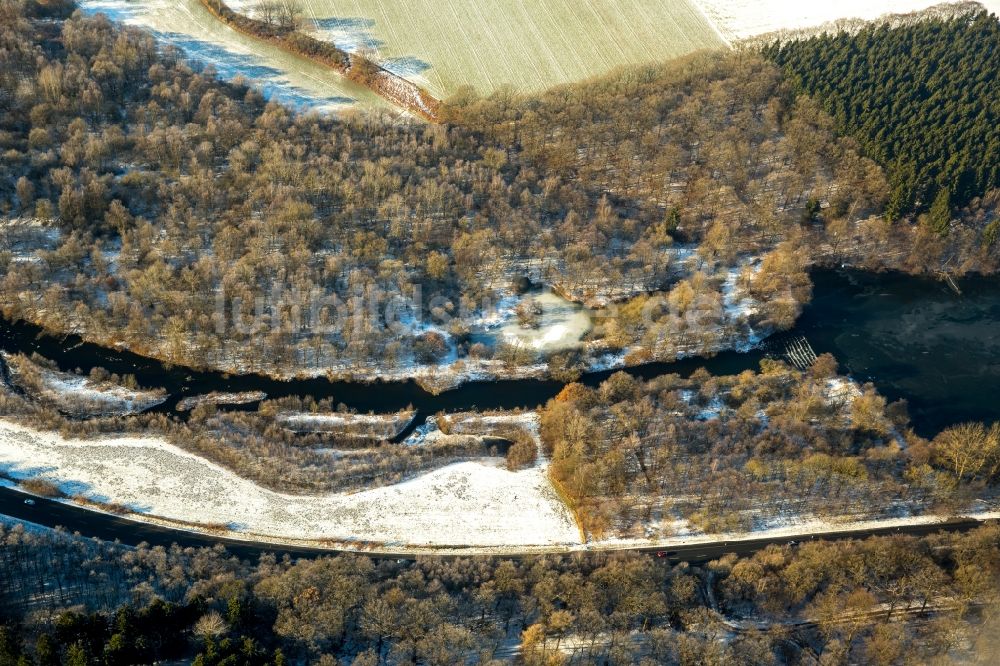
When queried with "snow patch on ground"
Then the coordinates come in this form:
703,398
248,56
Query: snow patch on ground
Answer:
738,303
475,424
12,524
561,324
24,237
712,411
117,399
465,504
842,391
383,426
215,398
788,528
608,361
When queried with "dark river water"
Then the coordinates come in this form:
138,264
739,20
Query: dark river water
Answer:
914,338
73,355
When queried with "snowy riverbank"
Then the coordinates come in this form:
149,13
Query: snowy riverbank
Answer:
76,395
465,504
470,507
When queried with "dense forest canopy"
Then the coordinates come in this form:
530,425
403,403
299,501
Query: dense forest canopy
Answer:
736,453
922,99
164,188
888,600
190,220
135,187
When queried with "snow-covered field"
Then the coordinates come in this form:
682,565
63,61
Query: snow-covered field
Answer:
520,44
486,44
465,504
278,74
740,19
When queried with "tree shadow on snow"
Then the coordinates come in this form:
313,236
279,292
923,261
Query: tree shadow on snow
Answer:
350,34
406,66
68,487
272,82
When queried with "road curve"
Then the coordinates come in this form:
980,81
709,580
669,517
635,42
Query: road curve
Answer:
108,527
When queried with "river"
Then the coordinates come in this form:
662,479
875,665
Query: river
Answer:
913,337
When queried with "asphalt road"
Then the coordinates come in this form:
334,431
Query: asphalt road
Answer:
106,527
697,553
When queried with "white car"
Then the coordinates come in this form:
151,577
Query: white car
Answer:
29,502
